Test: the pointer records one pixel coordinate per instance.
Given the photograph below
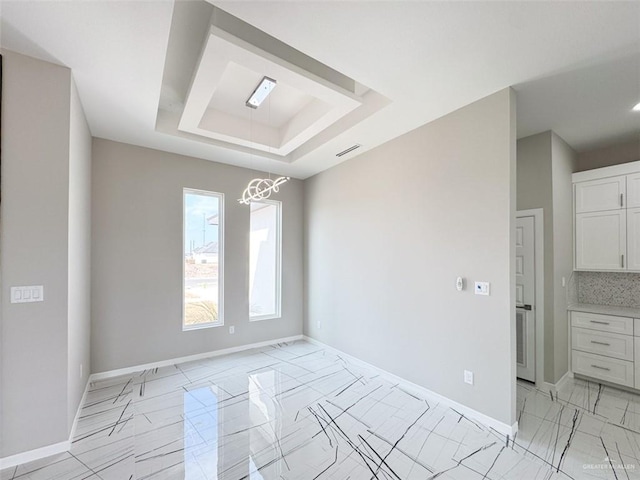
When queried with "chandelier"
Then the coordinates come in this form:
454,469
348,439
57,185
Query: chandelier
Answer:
261,189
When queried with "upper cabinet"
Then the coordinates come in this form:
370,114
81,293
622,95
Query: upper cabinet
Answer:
601,240
600,195
633,190
633,235
607,218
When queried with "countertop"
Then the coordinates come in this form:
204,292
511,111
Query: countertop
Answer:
633,312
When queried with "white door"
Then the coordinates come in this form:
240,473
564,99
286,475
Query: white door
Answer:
633,190
633,239
599,195
601,240
525,299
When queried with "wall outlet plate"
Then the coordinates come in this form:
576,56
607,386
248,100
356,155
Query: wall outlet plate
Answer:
232,330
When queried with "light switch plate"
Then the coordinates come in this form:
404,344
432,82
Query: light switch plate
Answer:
468,377
32,293
482,288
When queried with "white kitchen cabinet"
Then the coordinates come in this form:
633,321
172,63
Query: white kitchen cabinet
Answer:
600,343
601,240
604,347
608,369
604,323
633,190
600,195
633,239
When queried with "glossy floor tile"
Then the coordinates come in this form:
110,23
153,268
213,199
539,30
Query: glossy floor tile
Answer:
298,411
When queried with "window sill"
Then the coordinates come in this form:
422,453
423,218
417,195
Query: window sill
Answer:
201,326
265,317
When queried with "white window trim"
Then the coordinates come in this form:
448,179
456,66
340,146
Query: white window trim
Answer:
220,197
278,313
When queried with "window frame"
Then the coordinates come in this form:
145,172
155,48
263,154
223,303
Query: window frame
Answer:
220,196
278,312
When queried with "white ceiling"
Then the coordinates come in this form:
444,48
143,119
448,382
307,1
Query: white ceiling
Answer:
574,65
233,57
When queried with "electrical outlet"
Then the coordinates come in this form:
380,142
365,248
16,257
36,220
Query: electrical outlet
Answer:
232,330
319,325
468,377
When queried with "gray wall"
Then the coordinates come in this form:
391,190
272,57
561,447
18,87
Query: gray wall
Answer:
535,190
622,152
137,257
79,255
386,235
563,164
545,163
34,239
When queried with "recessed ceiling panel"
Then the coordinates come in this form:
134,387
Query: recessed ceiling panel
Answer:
308,98
236,85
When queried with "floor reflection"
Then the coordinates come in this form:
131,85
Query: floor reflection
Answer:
201,434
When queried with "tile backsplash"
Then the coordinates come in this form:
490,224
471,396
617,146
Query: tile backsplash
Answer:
604,288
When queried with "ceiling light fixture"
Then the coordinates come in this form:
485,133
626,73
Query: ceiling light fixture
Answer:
636,108
260,189
261,92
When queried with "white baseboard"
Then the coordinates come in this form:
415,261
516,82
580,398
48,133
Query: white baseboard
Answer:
497,425
72,434
563,380
554,387
190,358
49,450
36,454
62,447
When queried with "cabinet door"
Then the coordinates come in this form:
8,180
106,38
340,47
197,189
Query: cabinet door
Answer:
633,190
633,238
600,195
601,239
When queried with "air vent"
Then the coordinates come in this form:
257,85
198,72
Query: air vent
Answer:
348,150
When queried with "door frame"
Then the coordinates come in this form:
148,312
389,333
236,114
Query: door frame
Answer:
538,235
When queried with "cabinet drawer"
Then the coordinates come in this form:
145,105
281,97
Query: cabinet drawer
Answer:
603,323
602,343
608,369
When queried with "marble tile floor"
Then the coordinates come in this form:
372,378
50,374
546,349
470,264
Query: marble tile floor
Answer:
298,411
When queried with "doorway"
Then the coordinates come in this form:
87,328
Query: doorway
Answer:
529,315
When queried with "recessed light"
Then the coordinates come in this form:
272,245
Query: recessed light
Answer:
261,92
637,108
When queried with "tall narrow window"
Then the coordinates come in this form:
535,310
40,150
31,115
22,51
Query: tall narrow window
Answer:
203,259
264,260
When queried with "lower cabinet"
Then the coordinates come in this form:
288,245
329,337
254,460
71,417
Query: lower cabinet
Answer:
609,369
603,347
